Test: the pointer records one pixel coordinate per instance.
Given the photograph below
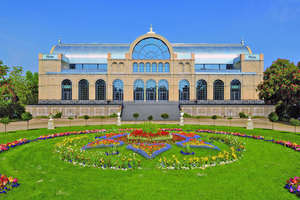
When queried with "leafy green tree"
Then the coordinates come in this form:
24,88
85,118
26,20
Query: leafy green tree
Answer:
32,81
5,121
281,82
230,118
295,123
86,117
26,117
273,117
150,117
13,84
70,118
136,115
164,116
214,117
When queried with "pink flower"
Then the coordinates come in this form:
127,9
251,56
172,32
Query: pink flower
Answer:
15,180
291,189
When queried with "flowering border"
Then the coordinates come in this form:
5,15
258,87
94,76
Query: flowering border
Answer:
293,185
154,154
7,184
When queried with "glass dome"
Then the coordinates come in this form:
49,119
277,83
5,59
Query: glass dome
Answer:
151,48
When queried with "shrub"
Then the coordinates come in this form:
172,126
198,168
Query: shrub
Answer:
113,115
26,117
242,115
186,115
150,117
57,115
230,118
165,116
86,117
136,115
214,117
295,123
273,117
70,118
5,121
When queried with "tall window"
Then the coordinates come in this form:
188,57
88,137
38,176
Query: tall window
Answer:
160,67
148,67
201,90
83,87
235,90
184,90
135,68
141,68
218,90
151,90
151,48
154,67
66,90
138,90
100,90
118,90
167,67
163,90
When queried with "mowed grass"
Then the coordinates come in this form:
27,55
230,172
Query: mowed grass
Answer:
260,174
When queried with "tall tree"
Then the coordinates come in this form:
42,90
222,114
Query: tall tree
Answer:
32,81
281,84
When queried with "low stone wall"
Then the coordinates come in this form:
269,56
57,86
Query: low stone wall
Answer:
228,110
72,110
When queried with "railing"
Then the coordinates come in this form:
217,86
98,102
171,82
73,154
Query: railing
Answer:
222,102
80,102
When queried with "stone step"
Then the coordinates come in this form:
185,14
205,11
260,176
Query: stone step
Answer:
145,109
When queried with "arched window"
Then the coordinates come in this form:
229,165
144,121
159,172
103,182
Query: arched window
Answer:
135,68
118,90
184,90
235,90
83,87
167,67
218,90
163,90
100,89
148,67
141,68
154,67
151,90
138,90
201,90
66,90
160,67
151,48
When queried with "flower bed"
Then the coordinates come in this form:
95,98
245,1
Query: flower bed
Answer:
7,184
8,145
103,144
149,150
49,136
293,185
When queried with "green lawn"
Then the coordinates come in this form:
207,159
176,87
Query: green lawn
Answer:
260,174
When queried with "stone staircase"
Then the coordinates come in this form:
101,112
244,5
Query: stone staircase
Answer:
146,109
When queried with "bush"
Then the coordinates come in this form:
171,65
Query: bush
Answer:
243,115
150,117
294,122
57,115
136,115
26,117
113,115
164,115
273,117
214,117
41,116
11,109
186,115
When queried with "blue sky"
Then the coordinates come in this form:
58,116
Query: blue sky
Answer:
32,27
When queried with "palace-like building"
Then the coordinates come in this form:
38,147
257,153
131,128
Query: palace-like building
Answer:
150,69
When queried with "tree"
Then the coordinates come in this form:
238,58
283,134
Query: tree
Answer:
165,116
32,80
214,117
150,117
295,123
102,117
198,117
13,84
86,117
230,118
281,82
5,121
70,118
26,117
273,117
136,115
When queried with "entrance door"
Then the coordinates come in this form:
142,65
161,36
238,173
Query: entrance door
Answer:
184,96
138,96
162,96
235,95
67,95
151,96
